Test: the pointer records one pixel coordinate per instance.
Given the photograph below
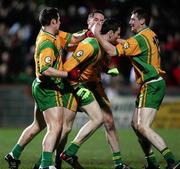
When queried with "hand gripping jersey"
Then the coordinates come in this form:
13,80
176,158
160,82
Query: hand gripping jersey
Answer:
144,53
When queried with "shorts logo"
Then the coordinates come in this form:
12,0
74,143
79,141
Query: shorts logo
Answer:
126,45
47,59
79,53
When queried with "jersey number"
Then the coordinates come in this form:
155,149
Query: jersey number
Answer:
156,42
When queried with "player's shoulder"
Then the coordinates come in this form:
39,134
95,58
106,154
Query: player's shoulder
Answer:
44,38
91,41
44,41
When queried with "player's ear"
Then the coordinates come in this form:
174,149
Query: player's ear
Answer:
110,34
53,21
142,21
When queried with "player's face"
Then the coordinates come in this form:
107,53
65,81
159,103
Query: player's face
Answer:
135,23
57,24
115,36
97,18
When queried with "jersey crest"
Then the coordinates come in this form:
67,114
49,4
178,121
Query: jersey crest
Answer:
47,59
79,53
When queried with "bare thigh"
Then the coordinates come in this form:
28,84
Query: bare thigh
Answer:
143,116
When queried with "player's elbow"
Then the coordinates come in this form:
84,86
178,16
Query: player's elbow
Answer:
111,51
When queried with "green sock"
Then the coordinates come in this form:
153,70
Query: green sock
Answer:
168,156
16,151
46,159
72,149
117,158
151,159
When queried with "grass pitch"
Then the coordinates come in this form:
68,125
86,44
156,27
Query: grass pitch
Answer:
95,153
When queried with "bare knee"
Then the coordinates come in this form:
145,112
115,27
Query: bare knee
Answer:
54,128
142,129
66,129
137,126
98,120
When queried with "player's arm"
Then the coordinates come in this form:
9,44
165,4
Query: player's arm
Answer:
128,47
71,39
55,73
108,47
46,61
81,54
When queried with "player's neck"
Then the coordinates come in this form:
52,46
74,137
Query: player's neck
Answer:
49,30
142,28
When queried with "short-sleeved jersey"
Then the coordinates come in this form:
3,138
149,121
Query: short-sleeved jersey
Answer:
87,58
48,51
144,53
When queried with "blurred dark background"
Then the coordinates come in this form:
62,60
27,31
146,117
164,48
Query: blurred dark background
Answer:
19,27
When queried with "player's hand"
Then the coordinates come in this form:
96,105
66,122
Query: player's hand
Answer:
113,72
74,74
96,28
83,93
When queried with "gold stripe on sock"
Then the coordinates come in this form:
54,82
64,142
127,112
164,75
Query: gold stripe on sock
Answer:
151,155
165,152
116,158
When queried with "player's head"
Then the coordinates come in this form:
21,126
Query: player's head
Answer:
140,18
50,17
111,29
96,16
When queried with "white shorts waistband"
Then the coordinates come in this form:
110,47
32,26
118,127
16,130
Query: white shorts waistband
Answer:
154,80
38,80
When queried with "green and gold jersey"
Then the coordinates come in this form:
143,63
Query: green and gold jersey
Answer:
144,53
86,57
48,51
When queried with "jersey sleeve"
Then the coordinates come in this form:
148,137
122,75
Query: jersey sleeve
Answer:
82,53
129,48
46,59
65,38
80,33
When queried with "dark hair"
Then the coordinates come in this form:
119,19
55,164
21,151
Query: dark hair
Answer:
91,15
47,14
142,14
110,24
